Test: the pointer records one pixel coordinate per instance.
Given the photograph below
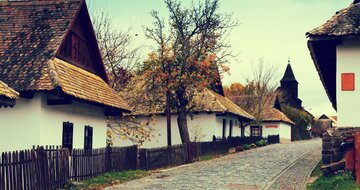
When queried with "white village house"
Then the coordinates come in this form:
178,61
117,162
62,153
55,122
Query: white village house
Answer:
335,50
213,115
49,54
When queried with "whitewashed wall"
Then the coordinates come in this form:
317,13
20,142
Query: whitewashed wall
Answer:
20,125
33,122
283,129
285,132
209,125
348,102
80,114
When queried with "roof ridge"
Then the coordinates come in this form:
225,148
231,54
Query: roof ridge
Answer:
36,2
53,73
216,99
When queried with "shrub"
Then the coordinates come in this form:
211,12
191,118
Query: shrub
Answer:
260,143
253,145
247,146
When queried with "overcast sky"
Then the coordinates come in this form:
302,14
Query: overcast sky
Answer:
271,30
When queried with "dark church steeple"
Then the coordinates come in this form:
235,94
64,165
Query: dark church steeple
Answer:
289,83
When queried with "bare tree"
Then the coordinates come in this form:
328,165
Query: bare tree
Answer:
120,56
193,50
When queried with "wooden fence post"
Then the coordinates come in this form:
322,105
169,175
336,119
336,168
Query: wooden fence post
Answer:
108,159
357,157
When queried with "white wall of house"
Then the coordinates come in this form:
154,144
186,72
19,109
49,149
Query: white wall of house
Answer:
206,124
348,56
33,122
80,114
268,128
20,125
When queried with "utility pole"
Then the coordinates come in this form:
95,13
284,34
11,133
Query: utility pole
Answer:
168,107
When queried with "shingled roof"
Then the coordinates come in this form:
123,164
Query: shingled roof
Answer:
289,74
344,22
273,114
31,34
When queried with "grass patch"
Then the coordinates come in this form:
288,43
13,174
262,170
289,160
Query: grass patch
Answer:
341,181
206,157
112,178
317,172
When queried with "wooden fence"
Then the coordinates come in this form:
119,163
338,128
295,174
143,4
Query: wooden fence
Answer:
272,139
85,164
162,157
34,169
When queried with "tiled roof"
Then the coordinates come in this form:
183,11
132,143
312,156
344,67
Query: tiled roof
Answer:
273,114
205,101
344,22
30,34
8,92
211,101
82,84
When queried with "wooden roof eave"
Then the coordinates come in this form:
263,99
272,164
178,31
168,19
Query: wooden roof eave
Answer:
7,102
108,110
315,59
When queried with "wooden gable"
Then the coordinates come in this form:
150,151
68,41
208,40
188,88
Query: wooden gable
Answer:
80,47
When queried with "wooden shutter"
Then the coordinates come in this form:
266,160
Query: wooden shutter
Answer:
230,128
67,138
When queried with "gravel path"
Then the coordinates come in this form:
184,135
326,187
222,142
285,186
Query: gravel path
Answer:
280,166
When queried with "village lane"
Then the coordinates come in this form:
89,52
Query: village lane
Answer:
279,166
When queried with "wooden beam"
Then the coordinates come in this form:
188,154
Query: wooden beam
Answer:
7,102
27,94
59,101
113,113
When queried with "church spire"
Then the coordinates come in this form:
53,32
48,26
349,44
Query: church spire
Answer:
289,74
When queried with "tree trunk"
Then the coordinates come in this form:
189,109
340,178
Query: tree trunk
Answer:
182,119
182,123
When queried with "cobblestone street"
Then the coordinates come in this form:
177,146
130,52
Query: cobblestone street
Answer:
280,166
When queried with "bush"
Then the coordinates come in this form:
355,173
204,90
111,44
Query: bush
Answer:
247,146
253,145
260,143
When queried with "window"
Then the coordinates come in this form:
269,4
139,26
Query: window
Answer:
224,128
67,137
88,137
255,131
230,128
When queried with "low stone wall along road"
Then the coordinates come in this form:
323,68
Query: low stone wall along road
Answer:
279,166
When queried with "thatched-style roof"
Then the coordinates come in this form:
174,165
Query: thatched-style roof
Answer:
204,101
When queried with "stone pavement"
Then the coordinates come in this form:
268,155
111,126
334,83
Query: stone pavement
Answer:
280,166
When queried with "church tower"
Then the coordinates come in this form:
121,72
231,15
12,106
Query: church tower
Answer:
290,86
289,83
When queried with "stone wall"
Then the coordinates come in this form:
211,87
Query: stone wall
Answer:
332,156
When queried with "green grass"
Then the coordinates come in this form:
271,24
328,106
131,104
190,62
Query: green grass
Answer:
341,181
206,157
317,172
112,178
